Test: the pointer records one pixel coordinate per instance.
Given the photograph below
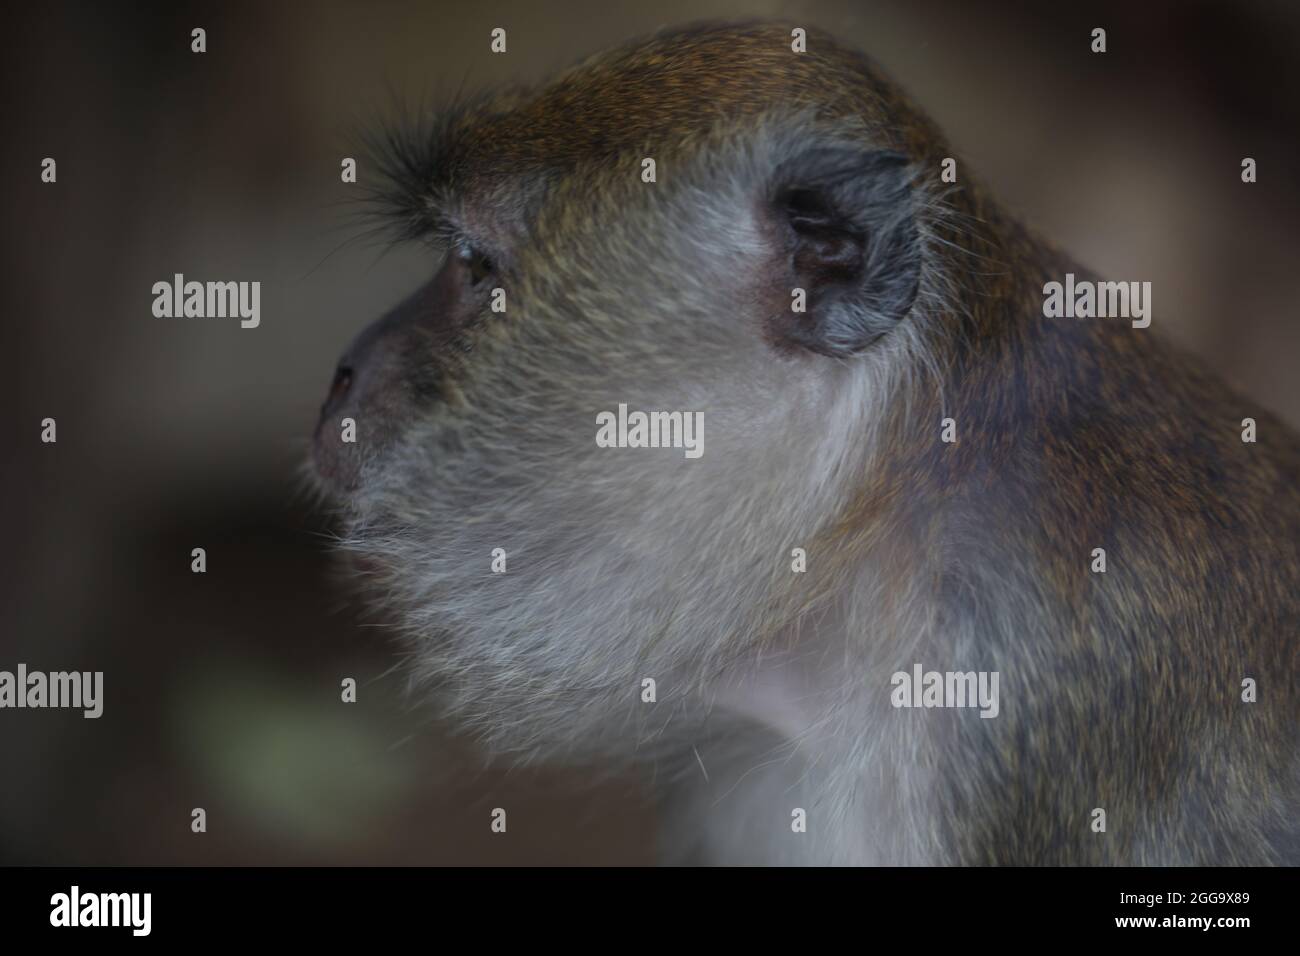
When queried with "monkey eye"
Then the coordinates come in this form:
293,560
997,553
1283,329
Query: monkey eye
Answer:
478,264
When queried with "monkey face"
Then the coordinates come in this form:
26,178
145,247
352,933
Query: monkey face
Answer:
541,573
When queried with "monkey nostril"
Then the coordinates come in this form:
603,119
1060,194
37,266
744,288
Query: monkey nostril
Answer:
339,387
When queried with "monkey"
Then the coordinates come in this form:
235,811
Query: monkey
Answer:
945,460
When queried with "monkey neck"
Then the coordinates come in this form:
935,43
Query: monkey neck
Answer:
906,574
825,735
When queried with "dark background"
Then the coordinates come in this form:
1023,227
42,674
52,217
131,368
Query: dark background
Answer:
222,690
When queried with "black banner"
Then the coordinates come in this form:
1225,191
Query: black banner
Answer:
331,906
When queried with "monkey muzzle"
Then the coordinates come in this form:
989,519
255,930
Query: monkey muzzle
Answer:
379,385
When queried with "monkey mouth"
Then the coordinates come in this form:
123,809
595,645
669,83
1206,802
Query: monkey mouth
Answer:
336,465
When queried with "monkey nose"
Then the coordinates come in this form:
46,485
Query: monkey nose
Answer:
338,391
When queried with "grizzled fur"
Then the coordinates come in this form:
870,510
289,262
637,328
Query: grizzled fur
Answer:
1119,691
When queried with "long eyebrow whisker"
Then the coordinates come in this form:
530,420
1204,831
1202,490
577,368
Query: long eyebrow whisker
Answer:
413,155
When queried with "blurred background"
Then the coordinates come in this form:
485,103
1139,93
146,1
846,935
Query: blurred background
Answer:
222,689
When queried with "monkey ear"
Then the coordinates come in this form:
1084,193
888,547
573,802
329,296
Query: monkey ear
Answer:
848,236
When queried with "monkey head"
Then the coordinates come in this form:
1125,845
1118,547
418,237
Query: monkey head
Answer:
772,269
